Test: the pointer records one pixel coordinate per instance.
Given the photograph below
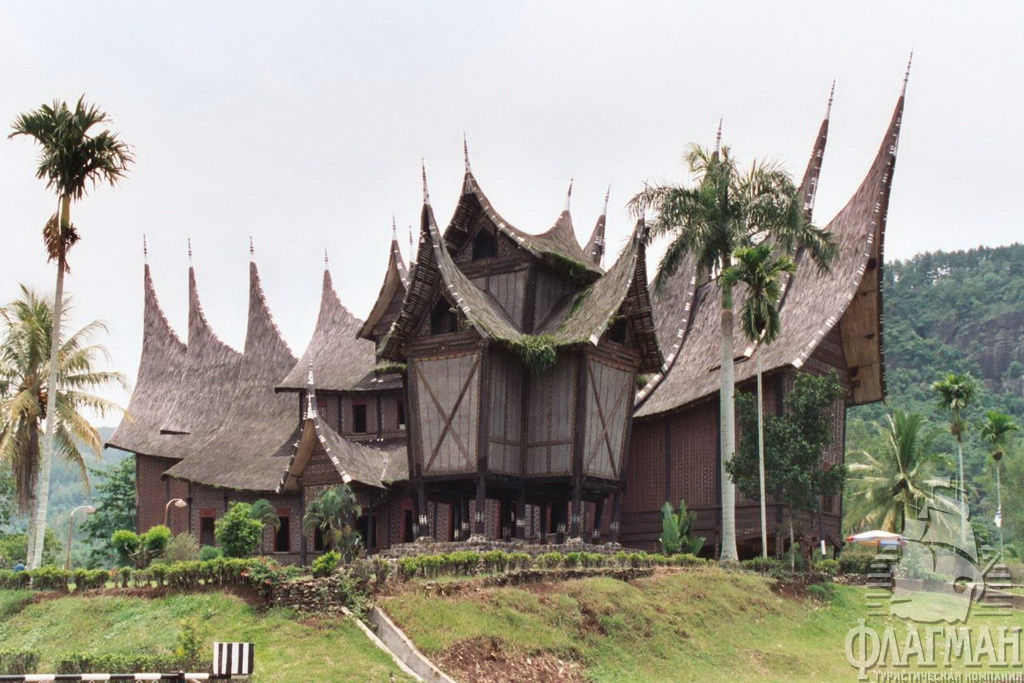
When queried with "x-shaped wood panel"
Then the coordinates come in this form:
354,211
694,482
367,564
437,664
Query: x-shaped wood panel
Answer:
604,436
448,417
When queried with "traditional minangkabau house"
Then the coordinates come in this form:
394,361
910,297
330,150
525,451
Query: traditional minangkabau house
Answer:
491,391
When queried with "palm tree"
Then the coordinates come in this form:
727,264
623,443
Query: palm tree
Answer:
895,482
726,210
265,513
996,431
956,392
24,393
333,512
70,159
760,322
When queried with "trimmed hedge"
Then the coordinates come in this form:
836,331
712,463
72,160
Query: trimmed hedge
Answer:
92,662
13,662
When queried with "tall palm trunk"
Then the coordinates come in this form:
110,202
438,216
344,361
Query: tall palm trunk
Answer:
760,457
999,505
962,493
46,454
727,408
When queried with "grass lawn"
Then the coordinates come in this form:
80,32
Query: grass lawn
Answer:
287,649
702,624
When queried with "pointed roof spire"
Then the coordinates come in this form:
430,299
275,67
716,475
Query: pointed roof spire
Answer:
310,392
607,194
595,245
906,76
394,229
831,94
326,259
412,254
426,192
718,137
252,249
568,196
189,251
145,249
465,152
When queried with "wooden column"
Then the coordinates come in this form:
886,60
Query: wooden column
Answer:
544,523
616,516
598,520
479,526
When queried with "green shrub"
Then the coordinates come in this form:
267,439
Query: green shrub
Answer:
189,650
326,563
182,548
408,567
464,562
237,532
592,559
90,579
518,561
549,560
91,662
15,662
264,574
126,543
122,576
571,560
209,552
687,560
765,565
50,578
14,580
495,561
158,572
829,566
381,570
432,565
822,592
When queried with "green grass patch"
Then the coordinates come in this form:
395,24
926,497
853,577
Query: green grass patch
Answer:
700,624
11,602
287,649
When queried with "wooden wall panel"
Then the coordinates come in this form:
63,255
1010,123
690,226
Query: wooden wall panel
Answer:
509,290
645,471
609,400
551,291
552,411
693,456
449,404
505,383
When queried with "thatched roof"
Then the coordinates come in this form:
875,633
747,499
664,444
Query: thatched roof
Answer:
580,320
392,291
814,302
623,288
354,461
339,358
594,250
243,452
557,244
208,384
161,368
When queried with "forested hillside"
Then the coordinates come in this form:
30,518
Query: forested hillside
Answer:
957,312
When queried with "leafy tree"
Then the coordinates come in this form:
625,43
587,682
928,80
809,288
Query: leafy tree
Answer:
14,546
675,530
114,500
25,396
333,512
70,160
265,513
237,532
892,484
996,432
761,324
723,211
956,393
795,446
7,492
140,550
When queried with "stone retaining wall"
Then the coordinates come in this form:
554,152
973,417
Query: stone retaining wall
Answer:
312,595
427,547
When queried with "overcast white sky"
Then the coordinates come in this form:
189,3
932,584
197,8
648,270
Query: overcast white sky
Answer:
304,125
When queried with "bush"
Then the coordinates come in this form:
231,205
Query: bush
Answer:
765,565
237,532
14,580
822,592
687,560
408,567
494,561
381,570
326,563
190,645
209,552
50,578
16,662
90,579
265,574
182,548
91,662
549,560
857,560
830,567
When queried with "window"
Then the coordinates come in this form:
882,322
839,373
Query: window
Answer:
206,527
359,416
617,331
407,535
318,540
282,538
366,525
442,318
484,245
401,413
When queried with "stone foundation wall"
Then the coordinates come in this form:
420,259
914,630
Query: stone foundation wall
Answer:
431,547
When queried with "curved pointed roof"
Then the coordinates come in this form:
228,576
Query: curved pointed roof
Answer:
558,243
339,358
161,368
814,304
208,385
594,250
396,280
259,422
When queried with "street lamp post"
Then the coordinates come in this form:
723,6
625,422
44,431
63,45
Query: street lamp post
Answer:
87,509
178,503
